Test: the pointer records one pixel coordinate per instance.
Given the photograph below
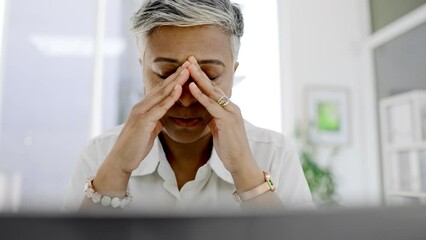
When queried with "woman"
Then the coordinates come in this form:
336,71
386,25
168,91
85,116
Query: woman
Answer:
185,146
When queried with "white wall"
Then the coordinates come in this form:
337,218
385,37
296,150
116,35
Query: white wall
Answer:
322,46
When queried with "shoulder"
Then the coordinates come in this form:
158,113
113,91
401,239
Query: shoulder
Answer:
272,150
110,133
98,147
262,136
278,155
106,138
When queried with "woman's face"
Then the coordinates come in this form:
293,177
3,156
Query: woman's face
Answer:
168,48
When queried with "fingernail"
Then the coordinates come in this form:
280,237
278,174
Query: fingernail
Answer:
181,73
195,85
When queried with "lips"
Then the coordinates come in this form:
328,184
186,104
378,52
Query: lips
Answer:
186,122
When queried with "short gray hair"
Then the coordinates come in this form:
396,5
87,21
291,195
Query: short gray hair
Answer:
187,13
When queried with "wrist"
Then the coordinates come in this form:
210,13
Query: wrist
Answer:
111,180
267,185
247,177
115,162
104,200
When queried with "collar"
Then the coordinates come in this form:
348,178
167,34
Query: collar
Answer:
150,164
220,170
151,161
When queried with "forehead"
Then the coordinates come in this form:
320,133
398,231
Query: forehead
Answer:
202,42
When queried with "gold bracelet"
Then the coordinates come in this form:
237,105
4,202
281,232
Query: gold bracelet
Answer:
257,191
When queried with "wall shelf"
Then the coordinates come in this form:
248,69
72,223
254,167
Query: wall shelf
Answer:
403,140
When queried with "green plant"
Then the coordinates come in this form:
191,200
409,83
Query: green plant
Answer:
320,179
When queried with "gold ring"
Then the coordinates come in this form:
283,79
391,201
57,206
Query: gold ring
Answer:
223,101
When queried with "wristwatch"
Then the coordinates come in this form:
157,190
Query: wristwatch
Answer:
257,191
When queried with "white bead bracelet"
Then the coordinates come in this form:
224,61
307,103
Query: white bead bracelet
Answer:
96,197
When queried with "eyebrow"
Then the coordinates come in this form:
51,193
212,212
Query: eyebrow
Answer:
211,61
201,62
162,59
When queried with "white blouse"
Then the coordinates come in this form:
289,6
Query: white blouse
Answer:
154,188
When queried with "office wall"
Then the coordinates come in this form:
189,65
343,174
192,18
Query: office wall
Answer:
322,42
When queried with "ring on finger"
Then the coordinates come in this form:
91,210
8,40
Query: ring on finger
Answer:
223,101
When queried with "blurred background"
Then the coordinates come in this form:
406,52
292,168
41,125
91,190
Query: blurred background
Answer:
344,79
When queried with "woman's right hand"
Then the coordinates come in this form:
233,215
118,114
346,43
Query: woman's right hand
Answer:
143,124
137,136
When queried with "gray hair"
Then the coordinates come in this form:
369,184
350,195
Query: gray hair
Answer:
187,13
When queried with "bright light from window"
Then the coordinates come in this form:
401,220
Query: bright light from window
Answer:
2,17
74,46
258,89
2,20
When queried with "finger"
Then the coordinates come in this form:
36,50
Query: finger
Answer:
179,77
211,105
158,111
176,77
203,81
172,78
159,93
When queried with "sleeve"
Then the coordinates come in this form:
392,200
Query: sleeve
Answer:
292,187
86,167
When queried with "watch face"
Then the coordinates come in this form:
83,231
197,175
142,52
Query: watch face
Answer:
269,181
271,184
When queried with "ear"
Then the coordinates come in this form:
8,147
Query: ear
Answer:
236,64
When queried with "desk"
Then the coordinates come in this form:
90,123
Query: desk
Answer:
407,223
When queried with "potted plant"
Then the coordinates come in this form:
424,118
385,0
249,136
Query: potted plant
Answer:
320,178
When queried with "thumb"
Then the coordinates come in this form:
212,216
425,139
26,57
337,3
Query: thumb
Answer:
158,128
213,127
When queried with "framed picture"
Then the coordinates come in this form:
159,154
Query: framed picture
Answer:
328,115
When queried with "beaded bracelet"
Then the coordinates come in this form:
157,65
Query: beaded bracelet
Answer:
96,197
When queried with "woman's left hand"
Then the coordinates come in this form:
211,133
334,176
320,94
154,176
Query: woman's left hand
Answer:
227,125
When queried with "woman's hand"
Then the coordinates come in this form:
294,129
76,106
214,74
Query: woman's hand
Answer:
137,136
143,125
227,127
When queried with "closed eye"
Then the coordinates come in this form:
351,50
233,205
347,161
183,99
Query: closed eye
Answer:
166,76
163,76
211,73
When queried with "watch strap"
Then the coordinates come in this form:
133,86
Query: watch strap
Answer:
257,191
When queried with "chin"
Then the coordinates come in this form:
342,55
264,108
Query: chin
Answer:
186,136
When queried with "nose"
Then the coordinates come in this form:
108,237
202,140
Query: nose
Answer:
186,99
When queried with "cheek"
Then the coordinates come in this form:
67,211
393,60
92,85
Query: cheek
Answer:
226,85
149,83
